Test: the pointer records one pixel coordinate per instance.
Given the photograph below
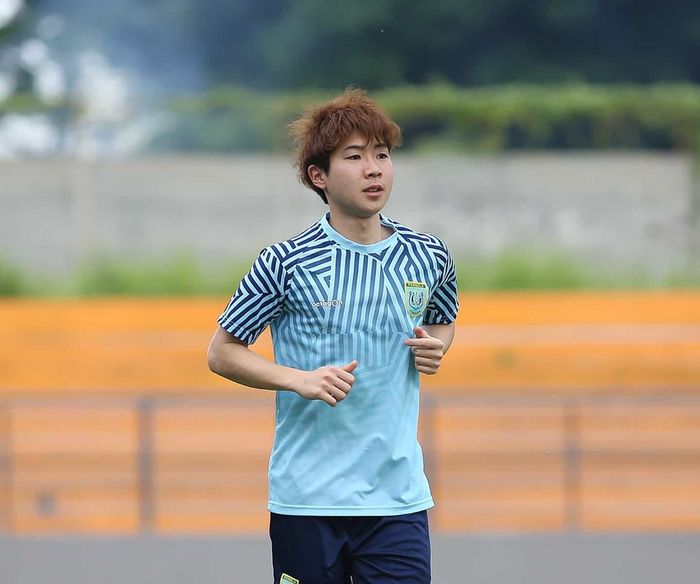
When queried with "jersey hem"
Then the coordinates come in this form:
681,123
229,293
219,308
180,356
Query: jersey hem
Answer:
281,509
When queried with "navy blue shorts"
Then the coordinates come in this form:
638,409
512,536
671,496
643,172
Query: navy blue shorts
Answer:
332,550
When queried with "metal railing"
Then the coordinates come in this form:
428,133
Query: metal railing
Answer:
33,468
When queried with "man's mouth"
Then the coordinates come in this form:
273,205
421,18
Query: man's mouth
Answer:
373,189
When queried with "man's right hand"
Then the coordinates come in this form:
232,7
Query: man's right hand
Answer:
330,384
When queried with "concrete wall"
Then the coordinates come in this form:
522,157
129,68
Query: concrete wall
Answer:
610,209
483,559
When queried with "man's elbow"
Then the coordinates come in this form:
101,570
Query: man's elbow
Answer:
222,355
214,360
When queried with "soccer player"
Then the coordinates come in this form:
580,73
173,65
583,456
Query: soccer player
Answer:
358,305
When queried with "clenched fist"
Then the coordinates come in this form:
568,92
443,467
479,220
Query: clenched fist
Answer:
330,384
427,351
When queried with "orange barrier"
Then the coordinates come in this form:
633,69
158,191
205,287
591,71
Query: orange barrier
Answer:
77,469
592,466
493,467
539,342
502,465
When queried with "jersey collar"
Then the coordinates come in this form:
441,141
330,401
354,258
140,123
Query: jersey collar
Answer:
353,245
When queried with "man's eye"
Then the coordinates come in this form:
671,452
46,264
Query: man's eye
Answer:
354,157
383,155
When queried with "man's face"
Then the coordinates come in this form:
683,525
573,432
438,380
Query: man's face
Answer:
359,178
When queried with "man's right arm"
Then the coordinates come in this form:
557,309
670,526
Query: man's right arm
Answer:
231,358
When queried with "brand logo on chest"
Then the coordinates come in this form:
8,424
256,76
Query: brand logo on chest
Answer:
327,303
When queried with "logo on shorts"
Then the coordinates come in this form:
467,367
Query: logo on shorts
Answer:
287,579
416,298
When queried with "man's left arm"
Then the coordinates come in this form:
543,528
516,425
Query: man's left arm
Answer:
430,345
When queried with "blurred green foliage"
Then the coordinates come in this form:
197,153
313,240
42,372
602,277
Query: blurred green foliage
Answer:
111,275
519,270
294,44
12,281
183,275
26,103
445,117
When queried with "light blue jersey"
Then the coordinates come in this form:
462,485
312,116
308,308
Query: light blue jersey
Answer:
330,300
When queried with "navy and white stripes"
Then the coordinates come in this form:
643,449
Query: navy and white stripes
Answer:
297,276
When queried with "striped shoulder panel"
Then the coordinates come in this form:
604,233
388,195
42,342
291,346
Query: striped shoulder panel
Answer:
284,248
433,244
308,245
430,249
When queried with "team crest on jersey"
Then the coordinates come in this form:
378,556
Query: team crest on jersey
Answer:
287,579
416,298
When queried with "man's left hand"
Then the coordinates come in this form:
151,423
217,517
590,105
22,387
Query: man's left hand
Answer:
427,351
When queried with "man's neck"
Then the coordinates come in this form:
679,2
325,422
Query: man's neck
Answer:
363,230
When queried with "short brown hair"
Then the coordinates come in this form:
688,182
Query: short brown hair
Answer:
319,131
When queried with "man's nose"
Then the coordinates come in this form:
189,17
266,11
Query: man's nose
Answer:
372,169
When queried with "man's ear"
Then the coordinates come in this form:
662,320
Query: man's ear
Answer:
317,176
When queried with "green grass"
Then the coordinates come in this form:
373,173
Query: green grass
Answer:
183,275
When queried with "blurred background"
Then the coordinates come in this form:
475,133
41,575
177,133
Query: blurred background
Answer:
144,161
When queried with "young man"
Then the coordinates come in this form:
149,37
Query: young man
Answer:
358,305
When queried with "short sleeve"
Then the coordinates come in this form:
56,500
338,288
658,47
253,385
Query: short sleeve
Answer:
444,301
258,300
